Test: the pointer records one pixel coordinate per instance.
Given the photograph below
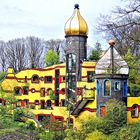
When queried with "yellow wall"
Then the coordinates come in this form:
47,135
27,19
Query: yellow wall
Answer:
130,102
17,80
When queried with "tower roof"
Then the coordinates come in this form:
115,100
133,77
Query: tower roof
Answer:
76,25
111,63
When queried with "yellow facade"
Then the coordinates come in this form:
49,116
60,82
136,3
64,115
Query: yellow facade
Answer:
34,98
133,106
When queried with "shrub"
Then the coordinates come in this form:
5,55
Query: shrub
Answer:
115,117
18,113
30,125
130,132
96,135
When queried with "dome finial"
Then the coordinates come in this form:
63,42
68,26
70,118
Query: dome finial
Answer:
112,42
76,6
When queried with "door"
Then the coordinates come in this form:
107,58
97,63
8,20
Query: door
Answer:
102,111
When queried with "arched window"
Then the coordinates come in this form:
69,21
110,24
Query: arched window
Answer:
42,92
25,89
107,88
49,103
18,90
35,79
117,86
135,111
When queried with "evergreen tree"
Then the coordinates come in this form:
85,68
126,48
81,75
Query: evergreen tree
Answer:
96,52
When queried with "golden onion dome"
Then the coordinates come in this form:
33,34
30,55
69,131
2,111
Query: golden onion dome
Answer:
76,25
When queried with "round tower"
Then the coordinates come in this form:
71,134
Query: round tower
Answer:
76,31
111,73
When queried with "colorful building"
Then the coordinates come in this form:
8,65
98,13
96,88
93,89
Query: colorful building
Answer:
75,89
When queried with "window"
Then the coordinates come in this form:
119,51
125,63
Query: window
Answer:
49,103
71,63
25,79
63,102
26,101
117,86
79,91
35,79
125,89
90,76
42,92
63,91
42,78
135,111
73,78
42,104
98,87
33,90
18,103
107,88
48,79
18,90
70,122
25,89
59,122
63,79
36,102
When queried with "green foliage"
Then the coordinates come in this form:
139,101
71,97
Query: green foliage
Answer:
134,76
51,58
97,135
101,128
52,95
30,125
2,74
87,127
96,52
130,132
18,113
115,117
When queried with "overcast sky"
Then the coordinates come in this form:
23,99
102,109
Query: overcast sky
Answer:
46,18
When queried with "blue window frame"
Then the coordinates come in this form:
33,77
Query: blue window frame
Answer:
125,89
97,87
106,88
117,86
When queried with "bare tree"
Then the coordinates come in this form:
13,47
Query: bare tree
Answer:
34,50
15,52
124,26
2,55
58,46
54,45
